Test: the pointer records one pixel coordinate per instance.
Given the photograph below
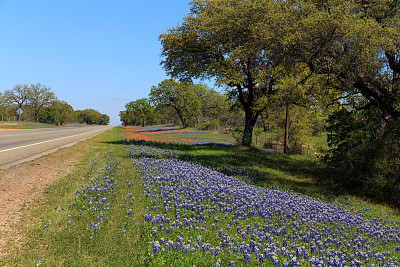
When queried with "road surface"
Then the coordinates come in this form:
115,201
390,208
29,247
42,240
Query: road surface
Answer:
18,146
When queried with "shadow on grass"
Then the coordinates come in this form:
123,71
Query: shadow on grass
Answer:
298,173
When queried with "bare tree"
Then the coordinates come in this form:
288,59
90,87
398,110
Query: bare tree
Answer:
18,95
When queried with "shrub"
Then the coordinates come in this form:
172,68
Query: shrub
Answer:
365,162
50,115
210,125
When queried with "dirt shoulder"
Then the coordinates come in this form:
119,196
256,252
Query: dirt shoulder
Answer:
21,184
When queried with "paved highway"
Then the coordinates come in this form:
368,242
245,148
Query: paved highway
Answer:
17,146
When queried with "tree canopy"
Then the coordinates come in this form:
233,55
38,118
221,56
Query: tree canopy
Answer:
181,96
138,112
220,39
50,115
67,113
40,96
354,43
19,95
91,116
249,45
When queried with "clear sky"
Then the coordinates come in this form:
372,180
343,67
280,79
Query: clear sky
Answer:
93,54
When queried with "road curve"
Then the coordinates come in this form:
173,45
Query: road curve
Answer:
18,146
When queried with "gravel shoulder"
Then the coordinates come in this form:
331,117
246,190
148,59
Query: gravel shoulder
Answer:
22,184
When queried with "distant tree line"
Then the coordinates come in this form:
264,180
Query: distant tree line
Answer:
91,116
181,103
39,104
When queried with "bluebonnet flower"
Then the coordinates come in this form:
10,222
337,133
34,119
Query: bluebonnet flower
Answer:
249,222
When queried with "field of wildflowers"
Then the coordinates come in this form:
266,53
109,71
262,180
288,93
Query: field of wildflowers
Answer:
168,134
201,216
199,213
159,205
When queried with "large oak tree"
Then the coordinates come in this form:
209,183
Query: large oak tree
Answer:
218,40
138,112
40,96
19,95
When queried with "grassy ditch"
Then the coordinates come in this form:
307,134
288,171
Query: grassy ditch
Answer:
185,198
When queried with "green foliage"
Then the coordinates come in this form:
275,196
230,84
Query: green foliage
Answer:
367,164
91,116
209,45
165,115
50,115
28,114
210,125
32,99
354,44
318,121
39,96
213,111
239,44
138,112
214,108
300,126
350,142
2,105
66,111
183,97
237,133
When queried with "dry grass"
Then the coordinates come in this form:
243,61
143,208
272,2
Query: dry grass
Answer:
21,185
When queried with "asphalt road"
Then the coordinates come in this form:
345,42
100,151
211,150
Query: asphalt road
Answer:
18,146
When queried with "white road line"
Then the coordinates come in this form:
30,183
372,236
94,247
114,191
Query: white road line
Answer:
49,141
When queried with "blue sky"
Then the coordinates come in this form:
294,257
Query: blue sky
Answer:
93,54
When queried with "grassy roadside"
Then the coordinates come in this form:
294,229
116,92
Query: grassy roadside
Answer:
24,125
68,231
32,125
59,235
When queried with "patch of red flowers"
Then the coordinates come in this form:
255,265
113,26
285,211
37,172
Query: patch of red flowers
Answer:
170,136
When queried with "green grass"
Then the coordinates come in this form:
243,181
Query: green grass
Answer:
29,125
55,239
319,142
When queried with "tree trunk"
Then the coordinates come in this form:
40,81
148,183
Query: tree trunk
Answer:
36,113
250,122
184,123
263,121
286,141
